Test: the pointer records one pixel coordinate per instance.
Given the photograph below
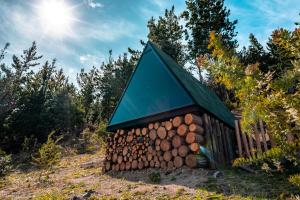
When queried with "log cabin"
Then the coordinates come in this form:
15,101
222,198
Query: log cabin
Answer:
166,118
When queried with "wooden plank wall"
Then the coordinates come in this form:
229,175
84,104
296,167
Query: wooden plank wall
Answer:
220,141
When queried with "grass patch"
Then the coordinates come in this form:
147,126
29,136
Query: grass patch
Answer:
154,177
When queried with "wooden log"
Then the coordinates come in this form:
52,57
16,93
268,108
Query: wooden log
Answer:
163,165
225,143
156,125
192,137
250,139
149,156
134,164
245,142
120,159
177,141
193,161
171,134
238,138
117,167
257,138
263,133
195,147
196,128
177,121
130,159
210,140
170,165
174,152
178,162
182,130
144,131
150,126
161,158
152,134
191,118
157,148
128,165
165,145
169,125
167,156
140,164
146,163
150,149
183,151
129,138
151,163
138,131
125,151
157,164
157,142
161,132
122,166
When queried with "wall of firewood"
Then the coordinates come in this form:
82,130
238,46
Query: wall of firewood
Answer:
169,144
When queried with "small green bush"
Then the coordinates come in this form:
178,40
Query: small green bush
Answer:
154,177
101,130
49,154
295,180
91,140
5,163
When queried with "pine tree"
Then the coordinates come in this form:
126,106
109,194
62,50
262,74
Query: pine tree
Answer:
107,88
167,33
116,74
255,54
88,82
203,17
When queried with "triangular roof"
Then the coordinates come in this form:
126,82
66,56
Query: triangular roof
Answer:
158,85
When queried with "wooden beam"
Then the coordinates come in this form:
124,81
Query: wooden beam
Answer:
257,138
262,130
246,146
238,137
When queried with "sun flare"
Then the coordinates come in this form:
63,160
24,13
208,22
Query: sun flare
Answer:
55,16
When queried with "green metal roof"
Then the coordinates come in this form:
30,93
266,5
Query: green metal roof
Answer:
152,89
158,84
201,94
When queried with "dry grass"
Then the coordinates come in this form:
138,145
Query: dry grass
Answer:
69,179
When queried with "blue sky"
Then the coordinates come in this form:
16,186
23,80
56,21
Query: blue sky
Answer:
93,27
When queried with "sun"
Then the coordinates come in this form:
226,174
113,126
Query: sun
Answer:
55,17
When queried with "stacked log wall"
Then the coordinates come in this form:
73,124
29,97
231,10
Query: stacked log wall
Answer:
169,144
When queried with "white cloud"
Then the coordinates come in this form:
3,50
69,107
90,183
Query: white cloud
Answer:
93,4
107,31
89,60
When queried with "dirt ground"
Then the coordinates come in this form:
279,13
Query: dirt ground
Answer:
80,177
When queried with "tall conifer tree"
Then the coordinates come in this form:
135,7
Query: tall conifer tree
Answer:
167,33
203,17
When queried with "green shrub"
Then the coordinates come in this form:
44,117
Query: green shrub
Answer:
295,180
5,163
49,154
276,158
154,177
91,141
101,130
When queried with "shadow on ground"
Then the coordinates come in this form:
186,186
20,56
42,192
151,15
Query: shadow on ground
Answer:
231,182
